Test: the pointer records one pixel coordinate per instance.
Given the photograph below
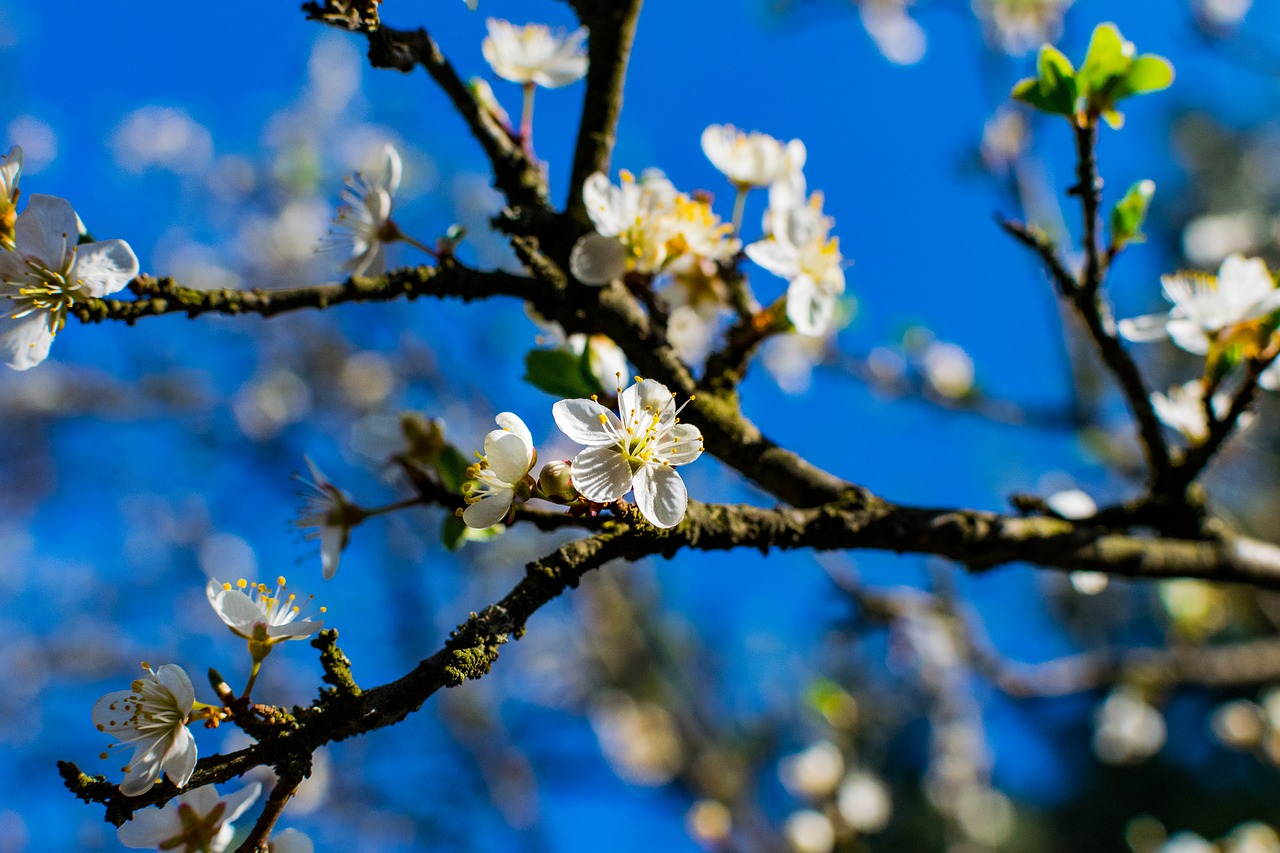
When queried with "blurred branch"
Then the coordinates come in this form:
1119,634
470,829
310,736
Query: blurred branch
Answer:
612,24
290,777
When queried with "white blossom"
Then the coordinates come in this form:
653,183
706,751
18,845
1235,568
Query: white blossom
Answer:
1204,306
198,821
749,159
864,802
1182,409
632,222
799,249
1128,729
331,512
261,615
639,450
502,475
534,54
152,714
47,273
813,773
365,216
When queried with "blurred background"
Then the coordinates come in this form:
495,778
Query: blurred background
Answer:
860,702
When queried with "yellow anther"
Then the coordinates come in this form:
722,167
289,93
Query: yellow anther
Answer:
242,583
226,586
603,420
324,610
145,666
280,580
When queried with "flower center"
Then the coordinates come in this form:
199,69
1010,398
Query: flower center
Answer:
46,290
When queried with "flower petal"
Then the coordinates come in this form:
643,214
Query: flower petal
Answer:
508,456
601,474
25,342
240,800
333,539
777,257
597,259
682,445
488,511
180,761
660,495
1149,327
109,714
604,204
809,307
47,230
174,678
295,630
149,828
104,267
1188,334
238,611
391,168
511,423
587,422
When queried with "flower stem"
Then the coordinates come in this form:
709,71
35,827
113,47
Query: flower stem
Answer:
253,677
383,510
419,245
526,118
739,207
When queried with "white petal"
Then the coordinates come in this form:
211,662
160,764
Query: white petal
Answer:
682,445
295,630
144,768
24,342
104,267
512,423
647,395
488,511
1149,327
201,800
240,800
809,307
601,474
333,539
778,258
597,259
175,680
586,422
1270,378
508,456
180,761
46,230
238,611
1188,334
660,495
150,827
112,720
390,177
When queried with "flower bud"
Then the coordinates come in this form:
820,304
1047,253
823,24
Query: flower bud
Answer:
556,482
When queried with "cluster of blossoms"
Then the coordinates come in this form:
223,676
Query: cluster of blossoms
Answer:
155,713
635,450
646,227
45,270
1225,318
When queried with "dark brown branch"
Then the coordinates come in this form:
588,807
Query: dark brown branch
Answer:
157,296
290,777
613,27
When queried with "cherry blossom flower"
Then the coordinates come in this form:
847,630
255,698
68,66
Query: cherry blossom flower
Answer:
330,510
198,821
10,168
1183,410
632,223
746,159
533,54
47,273
638,451
261,615
365,216
153,714
502,475
1205,306
799,249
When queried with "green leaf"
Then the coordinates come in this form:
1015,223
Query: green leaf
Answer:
452,466
1109,57
1129,214
1147,73
560,373
453,533
1054,90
